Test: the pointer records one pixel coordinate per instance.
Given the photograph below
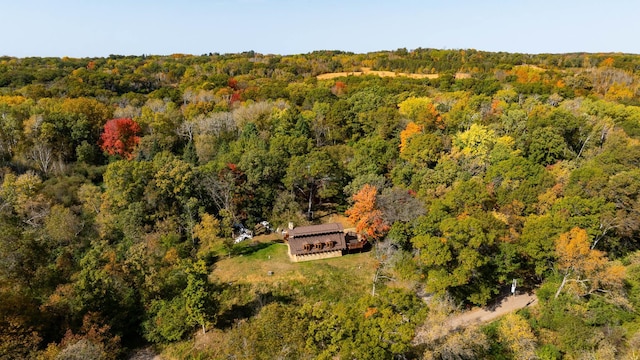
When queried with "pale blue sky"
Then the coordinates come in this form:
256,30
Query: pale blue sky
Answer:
90,28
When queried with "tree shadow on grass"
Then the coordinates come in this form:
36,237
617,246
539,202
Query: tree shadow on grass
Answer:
251,248
244,311
327,214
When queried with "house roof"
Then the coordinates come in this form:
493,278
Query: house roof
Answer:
316,230
316,239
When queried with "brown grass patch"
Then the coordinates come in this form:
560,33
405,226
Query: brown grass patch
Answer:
330,76
368,71
534,67
462,76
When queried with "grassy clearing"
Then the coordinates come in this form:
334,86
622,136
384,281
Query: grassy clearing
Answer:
246,287
320,280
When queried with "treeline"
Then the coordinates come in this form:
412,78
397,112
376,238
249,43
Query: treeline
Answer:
123,179
470,60
118,75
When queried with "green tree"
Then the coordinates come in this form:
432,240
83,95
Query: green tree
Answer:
547,146
102,287
372,155
423,150
197,295
166,322
314,176
459,257
62,225
172,184
518,179
125,182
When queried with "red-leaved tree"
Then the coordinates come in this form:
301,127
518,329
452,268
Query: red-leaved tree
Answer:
120,137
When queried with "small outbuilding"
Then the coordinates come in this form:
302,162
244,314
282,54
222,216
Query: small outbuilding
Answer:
316,242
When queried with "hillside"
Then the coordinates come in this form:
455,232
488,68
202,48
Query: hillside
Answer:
125,180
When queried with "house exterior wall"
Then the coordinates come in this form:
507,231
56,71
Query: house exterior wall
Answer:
317,256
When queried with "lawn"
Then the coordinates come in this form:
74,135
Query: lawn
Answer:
268,265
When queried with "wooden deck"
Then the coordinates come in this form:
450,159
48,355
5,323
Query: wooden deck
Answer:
354,242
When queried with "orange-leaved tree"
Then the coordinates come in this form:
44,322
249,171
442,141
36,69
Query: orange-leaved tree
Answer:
365,214
584,267
120,137
411,130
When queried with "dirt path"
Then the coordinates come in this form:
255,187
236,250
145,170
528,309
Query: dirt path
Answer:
145,354
481,315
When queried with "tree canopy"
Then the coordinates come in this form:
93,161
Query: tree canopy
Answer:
125,179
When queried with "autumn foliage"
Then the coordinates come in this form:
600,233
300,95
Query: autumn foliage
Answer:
586,269
233,83
483,168
365,214
411,129
422,111
120,137
527,74
339,88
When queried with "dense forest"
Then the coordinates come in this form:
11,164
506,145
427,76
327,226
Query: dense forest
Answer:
124,181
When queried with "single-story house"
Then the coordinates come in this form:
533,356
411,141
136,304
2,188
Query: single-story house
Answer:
316,242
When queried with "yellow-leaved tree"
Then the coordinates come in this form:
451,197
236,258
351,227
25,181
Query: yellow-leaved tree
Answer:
585,269
208,232
422,111
516,334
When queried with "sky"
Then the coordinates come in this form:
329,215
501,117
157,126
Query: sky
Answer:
98,28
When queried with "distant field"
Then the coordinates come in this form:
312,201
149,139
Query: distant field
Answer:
535,67
368,71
